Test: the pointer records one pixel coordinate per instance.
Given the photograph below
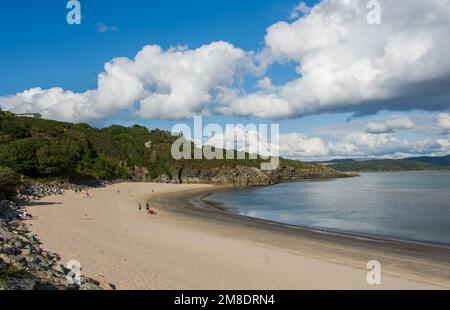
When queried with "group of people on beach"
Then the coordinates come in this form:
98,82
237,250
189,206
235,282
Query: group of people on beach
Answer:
82,194
147,209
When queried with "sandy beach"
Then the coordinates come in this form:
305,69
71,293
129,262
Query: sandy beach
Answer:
191,245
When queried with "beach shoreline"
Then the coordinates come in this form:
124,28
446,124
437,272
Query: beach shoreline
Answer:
202,247
202,199
410,248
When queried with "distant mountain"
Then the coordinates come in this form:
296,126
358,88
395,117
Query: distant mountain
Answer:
337,161
424,163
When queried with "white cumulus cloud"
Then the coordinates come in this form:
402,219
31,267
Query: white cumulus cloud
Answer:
359,145
346,64
390,125
171,84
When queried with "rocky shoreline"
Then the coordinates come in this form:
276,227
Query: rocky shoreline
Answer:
243,176
24,264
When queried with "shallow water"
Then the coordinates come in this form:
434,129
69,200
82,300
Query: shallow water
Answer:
409,206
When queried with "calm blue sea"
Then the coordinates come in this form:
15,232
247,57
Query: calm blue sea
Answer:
409,206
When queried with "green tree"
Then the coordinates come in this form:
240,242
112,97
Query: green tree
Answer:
20,156
108,169
58,158
9,181
14,129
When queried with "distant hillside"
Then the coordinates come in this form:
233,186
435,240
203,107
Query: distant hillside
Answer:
440,161
46,149
408,164
387,165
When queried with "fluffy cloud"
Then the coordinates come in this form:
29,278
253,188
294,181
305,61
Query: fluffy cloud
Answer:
170,84
390,125
346,64
296,145
359,144
186,79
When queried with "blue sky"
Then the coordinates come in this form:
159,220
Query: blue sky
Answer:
39,49
42,49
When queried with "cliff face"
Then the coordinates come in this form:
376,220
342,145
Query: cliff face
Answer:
244,176
239,176
289,173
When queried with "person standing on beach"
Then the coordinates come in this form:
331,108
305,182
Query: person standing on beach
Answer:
140,207
147,207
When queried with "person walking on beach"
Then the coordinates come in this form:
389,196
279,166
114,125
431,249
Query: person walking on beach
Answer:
140,207
147,206
118,192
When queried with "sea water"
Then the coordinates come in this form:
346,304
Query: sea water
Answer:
411,206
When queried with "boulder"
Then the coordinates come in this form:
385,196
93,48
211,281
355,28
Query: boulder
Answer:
5,258
21,283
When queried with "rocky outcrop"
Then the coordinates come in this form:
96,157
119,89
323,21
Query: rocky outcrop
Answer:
239,176
24,265
139,174
290,173
244,176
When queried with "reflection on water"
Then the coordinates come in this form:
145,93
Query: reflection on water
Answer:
411,206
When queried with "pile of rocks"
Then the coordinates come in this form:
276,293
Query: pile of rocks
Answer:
36,191
24,265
